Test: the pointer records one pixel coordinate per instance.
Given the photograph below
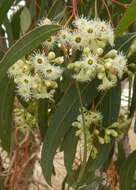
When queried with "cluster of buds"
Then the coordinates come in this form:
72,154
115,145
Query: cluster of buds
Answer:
90,37
95,134
23,119
107,67
36,77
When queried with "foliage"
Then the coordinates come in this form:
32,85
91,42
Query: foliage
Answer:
66,110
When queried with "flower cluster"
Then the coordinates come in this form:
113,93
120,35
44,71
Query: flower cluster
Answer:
90,123
24,119
90,37
107,68
37,76
84,44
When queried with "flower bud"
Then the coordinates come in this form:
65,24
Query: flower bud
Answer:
111,54
51,55
99,51
107,139
100,68
86,51
70,66
101,140
100,76
59,60
107,65
96,132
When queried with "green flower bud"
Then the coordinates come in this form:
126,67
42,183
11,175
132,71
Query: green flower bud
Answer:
93,152
101,140
114,133
100,68
111,54
108,65
59,60
107,139
86,51
51,55
100,76
96,132
70,66
99,51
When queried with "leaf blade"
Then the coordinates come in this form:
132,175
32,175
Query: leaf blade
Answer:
6,105
127,19
4,7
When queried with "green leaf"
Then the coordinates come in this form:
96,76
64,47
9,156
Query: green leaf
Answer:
6,105
69,151
128,18
66,112
123,43
100,160
43,116
4,7
110,106
56,8
43,8
8,27
128,173
26,44
15,24
133,103
25,19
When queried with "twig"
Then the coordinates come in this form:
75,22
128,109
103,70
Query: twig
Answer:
124,5
109,14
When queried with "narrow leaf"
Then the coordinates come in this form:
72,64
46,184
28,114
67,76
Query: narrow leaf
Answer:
128,18
128,173
4,7
110,106
43,116
69,146
56,8
6,106
133,103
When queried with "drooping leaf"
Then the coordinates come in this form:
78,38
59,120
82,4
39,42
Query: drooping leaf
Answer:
128,18
123,42
133,102
8,27
6,105
23,46
66,112
110,105
128,173
25,19
15,24
4,7
43,116
100,160
56,8
70,146
43,8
